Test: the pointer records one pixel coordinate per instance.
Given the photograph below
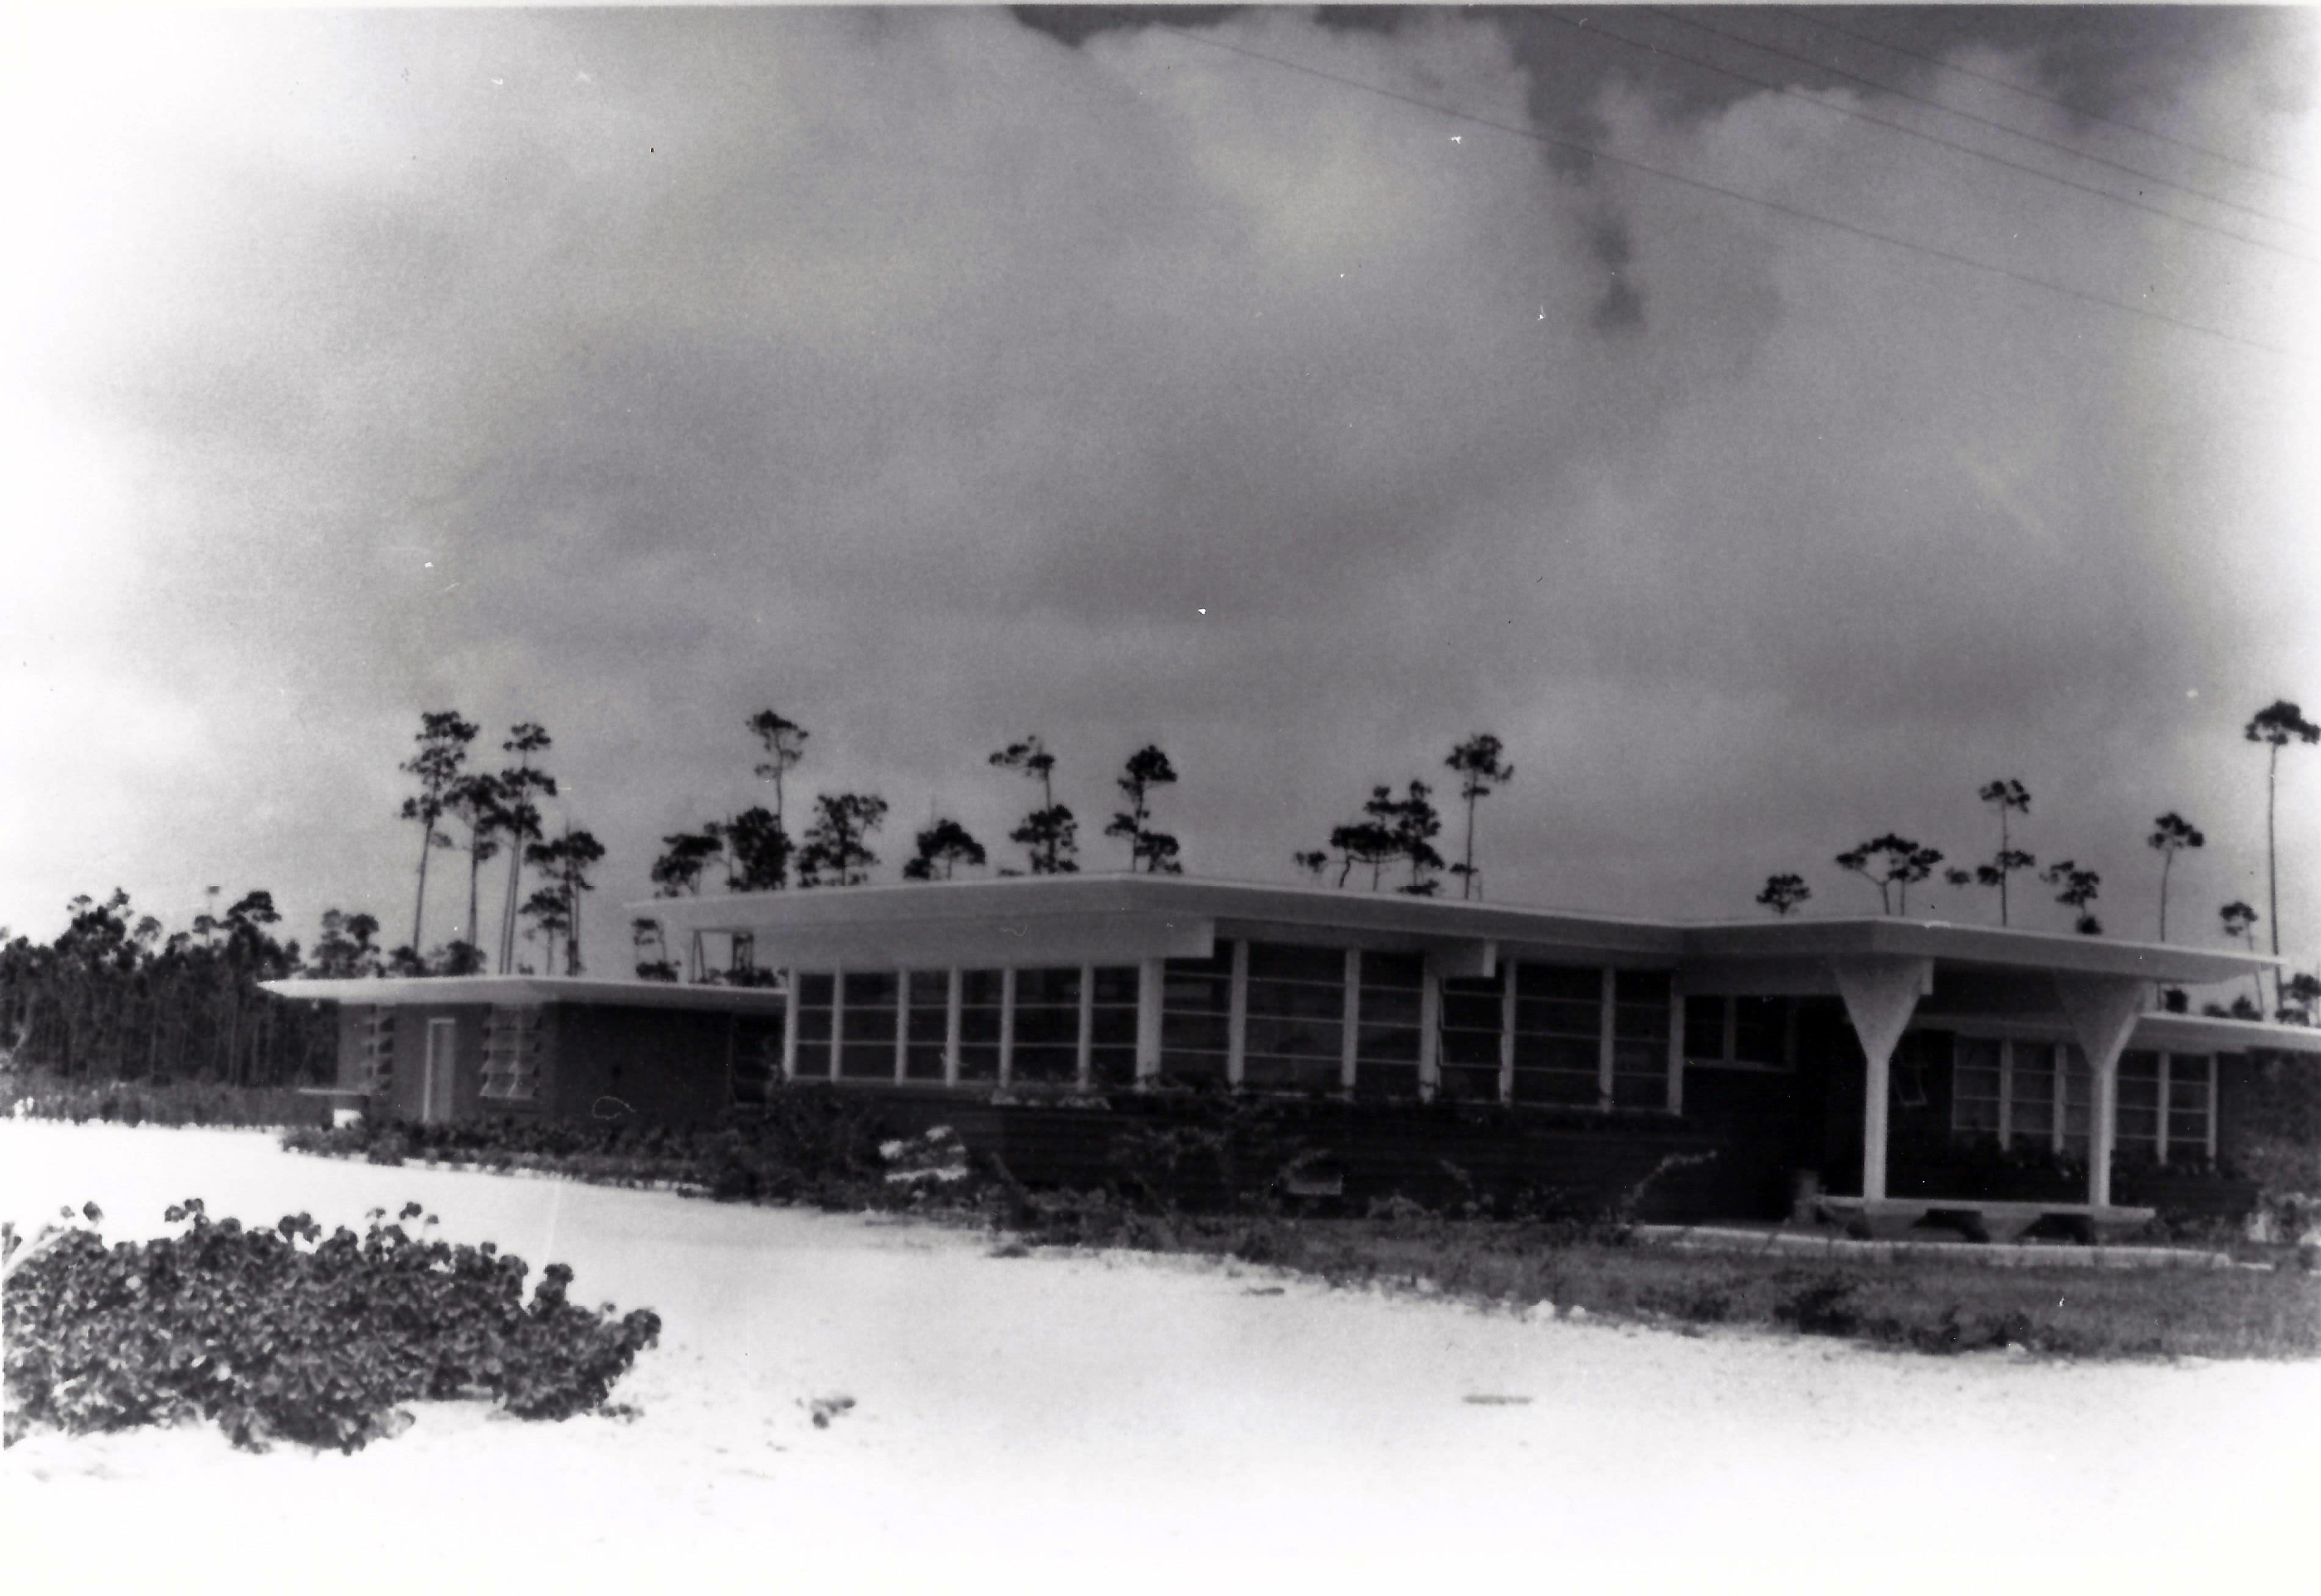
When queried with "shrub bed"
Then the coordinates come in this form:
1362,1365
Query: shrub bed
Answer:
286,1333
805,1147
42,1094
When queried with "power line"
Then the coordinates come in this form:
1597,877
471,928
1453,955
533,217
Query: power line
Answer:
1537,137
1870,83
2030,93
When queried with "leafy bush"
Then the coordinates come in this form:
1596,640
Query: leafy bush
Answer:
285,1333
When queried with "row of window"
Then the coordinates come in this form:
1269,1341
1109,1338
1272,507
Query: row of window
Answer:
1302,1019
2040,1096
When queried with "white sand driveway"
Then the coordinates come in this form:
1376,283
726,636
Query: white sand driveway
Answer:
1056,1414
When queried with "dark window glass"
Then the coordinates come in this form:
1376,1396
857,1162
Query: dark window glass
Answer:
1559,1016
1297,999
1384,1045
871,988
1570,1053
1404,972
1567,1087
1641,1024
1193,1066
1387,1080
1469,1085
1577,982
1704,1028
1282,961
1389,1008
1052,986
1642,986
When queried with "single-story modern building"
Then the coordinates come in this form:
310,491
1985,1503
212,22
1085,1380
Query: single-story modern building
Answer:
1893,1059
1904,1066
435,1049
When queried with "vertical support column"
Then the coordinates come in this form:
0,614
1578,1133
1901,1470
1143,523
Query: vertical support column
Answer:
1007,1026
1880,995
1676,1044
1610,996
1350,1039
2102,1010
1430,1027
902,1026
2059,1100
1237,1021
952,1027
2160,1112
693,958
1151,985
834,1068
1507,1030
1086,1054
2007,1091
2216,1090
790,1023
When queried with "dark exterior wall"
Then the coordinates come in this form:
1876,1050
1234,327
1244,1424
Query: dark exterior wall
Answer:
404,1101
351,1070
2238,1112
665,1065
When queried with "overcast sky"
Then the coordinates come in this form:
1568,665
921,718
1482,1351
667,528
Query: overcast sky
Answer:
937,376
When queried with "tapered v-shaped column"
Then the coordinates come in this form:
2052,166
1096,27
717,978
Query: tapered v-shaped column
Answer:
1881,993
2102,1010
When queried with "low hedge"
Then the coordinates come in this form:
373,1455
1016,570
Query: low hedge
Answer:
42,1094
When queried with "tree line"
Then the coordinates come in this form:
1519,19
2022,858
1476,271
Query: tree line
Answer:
115,996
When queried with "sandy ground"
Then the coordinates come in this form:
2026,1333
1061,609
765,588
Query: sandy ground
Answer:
1077,1420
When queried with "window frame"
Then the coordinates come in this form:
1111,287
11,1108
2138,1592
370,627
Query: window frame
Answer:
2059,1138
1726,1056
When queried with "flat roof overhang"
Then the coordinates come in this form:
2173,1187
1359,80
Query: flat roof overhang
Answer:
1074,919
392,990
1748,956
1034,920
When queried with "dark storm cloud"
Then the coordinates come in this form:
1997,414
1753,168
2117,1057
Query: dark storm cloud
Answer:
944,376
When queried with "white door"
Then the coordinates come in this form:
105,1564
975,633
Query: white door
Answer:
435,1084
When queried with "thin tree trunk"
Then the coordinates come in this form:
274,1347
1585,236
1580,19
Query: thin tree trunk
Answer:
1467,872
419,907
508,906
475,936
2006,847
2167,859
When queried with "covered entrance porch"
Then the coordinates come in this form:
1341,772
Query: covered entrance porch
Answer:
1909,993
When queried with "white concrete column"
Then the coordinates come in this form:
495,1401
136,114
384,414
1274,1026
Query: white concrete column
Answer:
2102,1010
1237,1020
1881,993
1430,1027
1350,1040
1007,1026
1508,1031
951,1026
1676,1044
1151,985
1609,997
902,1025
1085,1057
789,1024
834,1068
